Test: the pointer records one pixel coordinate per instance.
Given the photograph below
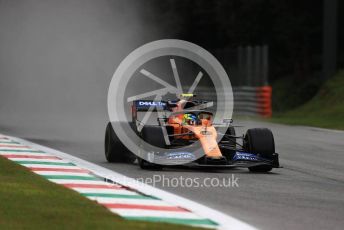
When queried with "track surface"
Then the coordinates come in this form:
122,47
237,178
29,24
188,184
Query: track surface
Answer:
307,192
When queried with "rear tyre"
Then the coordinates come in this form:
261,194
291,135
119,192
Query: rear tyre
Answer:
260,141
229,153
153,135
148,165
230,131
115,151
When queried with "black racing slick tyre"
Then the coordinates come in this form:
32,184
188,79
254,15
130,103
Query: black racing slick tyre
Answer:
229,153
148,165
260,141
153,135
115,151
230,131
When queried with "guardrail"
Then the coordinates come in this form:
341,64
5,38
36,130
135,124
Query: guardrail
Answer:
253,100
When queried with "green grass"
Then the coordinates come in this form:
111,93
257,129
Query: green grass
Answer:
289,93
325,109
29,201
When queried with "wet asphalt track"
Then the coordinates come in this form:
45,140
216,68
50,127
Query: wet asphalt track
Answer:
307,193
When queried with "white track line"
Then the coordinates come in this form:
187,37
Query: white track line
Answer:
46,173
38,160
16,147
4,153
48,166
105,191
129,201
153,213
63,181
224,221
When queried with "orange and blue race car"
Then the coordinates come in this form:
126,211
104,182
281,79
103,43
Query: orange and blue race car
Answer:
183,123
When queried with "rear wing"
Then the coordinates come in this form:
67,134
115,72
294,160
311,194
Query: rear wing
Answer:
145,105
154,106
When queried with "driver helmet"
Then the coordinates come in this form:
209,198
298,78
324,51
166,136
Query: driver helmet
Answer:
189,119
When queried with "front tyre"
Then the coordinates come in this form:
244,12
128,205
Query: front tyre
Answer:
260,141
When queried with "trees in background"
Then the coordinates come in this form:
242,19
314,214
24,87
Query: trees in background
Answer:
291,28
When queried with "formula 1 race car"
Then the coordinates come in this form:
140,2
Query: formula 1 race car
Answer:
185,123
